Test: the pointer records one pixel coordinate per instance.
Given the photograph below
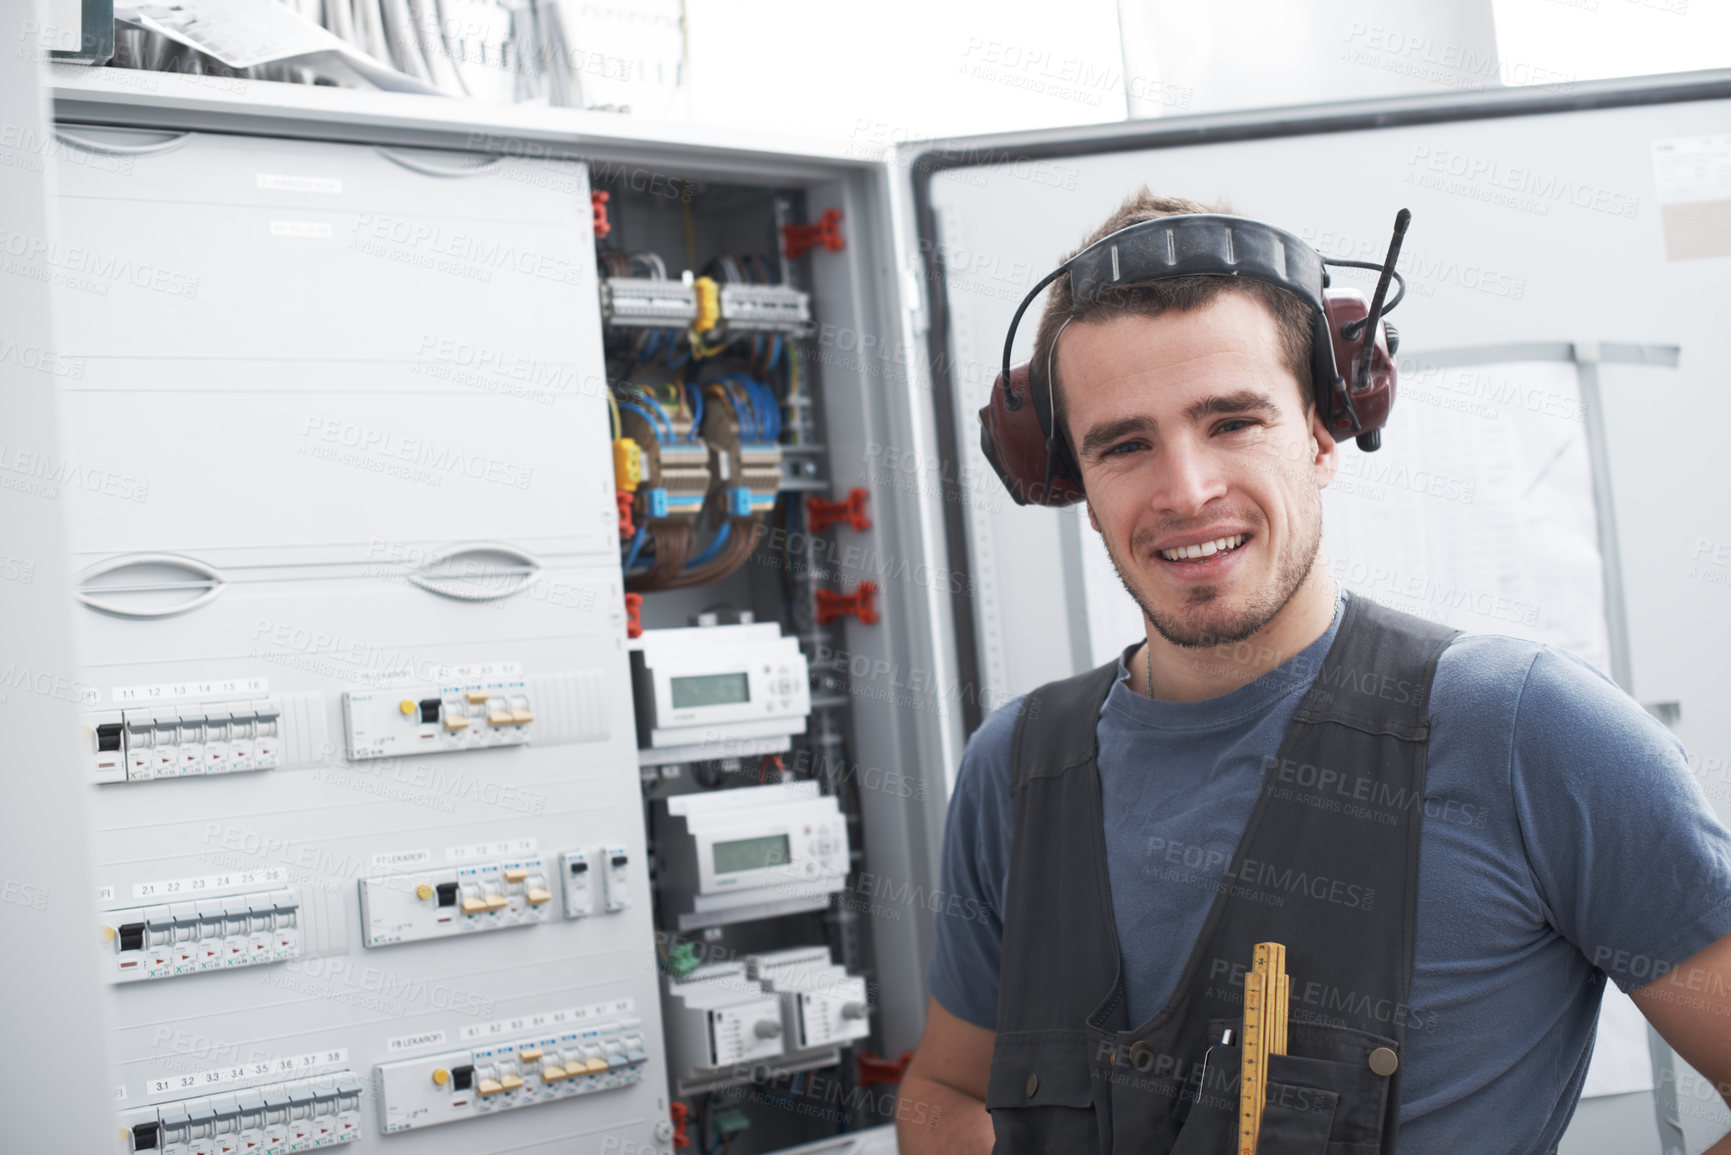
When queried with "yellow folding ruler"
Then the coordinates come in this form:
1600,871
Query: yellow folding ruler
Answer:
1266,989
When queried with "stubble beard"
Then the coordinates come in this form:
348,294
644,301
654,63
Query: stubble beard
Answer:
1210,623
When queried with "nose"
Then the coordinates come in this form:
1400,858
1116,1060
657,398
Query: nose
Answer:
1189,478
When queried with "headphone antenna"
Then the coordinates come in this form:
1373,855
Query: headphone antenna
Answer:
1362,372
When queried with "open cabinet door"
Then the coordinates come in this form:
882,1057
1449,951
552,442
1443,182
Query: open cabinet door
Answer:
1553,469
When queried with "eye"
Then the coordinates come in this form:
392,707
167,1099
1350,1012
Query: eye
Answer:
1124,448
1234,424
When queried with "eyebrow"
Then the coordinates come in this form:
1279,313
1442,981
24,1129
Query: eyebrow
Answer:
1244,401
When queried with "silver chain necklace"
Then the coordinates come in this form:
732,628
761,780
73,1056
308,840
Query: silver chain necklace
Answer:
1148,647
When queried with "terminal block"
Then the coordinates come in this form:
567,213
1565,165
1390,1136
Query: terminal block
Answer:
435,719
208,934
301,1115
455,901
542,1067
765,308
647,303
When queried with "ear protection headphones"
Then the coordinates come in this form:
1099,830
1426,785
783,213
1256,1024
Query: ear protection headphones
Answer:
1017,431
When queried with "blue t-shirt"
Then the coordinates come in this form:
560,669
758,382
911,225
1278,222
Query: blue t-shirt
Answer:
1564,838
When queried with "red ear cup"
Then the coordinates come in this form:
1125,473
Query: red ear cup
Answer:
1372,403
1016,445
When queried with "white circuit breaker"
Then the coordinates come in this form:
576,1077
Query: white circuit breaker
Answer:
618,864
579,882
470,899
207,934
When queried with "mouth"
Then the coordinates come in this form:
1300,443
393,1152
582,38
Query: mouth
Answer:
1203,552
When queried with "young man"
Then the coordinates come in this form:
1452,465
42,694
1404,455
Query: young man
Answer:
1457,838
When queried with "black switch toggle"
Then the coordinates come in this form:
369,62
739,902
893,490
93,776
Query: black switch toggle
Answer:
462,1078
144,1136
429,709
132,936
579,867
108,736
447,893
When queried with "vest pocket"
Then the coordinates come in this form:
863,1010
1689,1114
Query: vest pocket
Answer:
1296,1119
1337,1059
1041,1093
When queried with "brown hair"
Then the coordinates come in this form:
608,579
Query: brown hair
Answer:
1293,318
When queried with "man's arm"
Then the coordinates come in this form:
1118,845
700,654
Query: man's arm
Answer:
948,1077
1690,1007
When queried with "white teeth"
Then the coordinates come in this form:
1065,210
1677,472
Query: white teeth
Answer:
1203,549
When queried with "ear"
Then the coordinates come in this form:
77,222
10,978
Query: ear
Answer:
1325,454
1092,520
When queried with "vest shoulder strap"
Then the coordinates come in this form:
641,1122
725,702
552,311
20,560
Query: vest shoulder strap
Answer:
1055,731
1376,677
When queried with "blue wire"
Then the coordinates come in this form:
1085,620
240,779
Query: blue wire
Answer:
658,418
714,547
636,547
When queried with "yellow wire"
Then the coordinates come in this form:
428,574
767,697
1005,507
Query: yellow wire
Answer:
613,405
792,370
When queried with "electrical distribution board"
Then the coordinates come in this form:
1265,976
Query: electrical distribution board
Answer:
485,639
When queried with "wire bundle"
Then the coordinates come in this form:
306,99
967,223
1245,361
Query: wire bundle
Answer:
480,48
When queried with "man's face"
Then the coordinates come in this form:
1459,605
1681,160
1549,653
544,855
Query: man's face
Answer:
1191,436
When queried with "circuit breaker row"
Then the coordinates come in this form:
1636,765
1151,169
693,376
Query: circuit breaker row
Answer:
303,1115
541,1068
181,938
175,741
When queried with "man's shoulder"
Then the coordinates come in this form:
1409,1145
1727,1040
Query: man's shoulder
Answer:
989,749
1493,675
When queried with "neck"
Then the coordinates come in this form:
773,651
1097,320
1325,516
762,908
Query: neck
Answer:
1191,674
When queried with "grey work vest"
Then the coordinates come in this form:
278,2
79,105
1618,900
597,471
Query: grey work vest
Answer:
1327,865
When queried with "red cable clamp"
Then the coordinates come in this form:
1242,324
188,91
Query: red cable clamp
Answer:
634,615
831,605
624,500
873,1069
681,1113
824,514
598,206
799,238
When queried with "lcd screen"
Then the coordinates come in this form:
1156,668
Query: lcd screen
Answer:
710,690
751,853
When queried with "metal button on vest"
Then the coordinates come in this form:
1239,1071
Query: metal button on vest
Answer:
1383,1061
1141,1055
1033,1085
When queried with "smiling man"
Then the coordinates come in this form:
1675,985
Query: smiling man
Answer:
1456,838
